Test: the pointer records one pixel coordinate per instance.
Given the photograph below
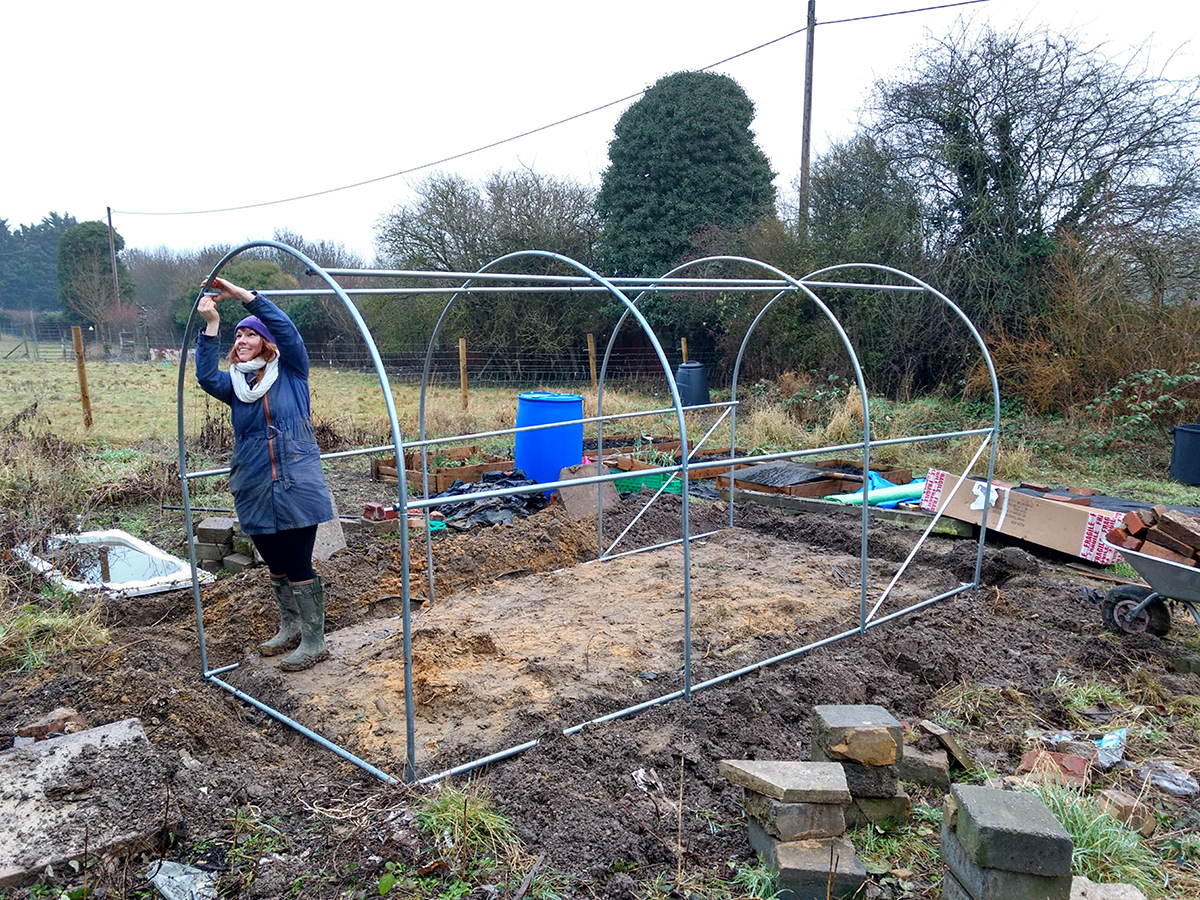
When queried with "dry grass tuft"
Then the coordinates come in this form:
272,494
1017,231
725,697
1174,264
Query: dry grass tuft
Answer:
30,635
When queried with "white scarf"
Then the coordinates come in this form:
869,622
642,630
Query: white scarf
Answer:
237,374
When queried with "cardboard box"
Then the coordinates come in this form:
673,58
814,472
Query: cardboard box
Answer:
1078,530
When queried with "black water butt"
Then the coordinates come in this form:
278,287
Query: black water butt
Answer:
692,383
1185,454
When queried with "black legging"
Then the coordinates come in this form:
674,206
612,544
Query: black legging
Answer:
289,552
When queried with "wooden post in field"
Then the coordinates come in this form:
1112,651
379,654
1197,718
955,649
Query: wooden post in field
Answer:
683,344
77,337
592,360
462,367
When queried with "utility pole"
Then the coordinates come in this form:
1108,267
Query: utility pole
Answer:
112,246
806,131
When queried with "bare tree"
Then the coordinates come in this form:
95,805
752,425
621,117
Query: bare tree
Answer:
1015,138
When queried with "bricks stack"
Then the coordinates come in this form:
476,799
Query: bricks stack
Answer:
795,820
1003,845
1160,532
868,742
215,546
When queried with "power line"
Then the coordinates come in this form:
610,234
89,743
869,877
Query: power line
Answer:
532,131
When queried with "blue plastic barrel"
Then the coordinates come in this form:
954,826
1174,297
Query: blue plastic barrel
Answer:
542,454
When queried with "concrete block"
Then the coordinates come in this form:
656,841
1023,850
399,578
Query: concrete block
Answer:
237,562
211,565
918,767
865,781
804,868
790,781
877,810
760,842
104,788
864,734
795,821
207,551
215,530
1011,831
330,537
1086,889
996,884
952,889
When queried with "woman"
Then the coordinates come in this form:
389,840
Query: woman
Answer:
275,476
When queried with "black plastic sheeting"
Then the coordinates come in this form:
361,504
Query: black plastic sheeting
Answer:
782,473
1119,504
492,510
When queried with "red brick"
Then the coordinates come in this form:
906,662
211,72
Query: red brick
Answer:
375,512
1085,492
1134,524
1070,498
1123,539
1163,553
1183,528
1067,767
1156,535
1035,486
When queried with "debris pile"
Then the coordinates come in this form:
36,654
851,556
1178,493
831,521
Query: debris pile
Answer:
1160,532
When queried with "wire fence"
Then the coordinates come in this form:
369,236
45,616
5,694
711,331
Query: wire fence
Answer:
508,366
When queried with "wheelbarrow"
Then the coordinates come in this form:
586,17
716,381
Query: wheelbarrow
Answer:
1136,609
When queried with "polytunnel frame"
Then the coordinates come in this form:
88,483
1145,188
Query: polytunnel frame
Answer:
587,280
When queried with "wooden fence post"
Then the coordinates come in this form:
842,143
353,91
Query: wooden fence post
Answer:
462,367
592,360
683,344
77,337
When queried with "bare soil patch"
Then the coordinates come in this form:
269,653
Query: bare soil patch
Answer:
527,638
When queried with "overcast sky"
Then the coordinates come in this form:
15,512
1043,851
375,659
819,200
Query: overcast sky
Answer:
162,107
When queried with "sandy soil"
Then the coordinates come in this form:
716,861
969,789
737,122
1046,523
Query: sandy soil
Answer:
526,638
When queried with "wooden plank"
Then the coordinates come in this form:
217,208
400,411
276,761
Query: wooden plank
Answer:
914,518
440,477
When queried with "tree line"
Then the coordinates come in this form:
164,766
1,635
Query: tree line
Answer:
1049,187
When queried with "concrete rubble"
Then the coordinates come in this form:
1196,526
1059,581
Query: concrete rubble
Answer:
102,789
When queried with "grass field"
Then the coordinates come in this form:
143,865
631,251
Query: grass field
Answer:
134,406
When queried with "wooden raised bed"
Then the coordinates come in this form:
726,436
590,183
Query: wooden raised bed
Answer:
696,471
440,477
836,483
629,445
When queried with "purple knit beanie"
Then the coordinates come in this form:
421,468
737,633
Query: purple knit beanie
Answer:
255,324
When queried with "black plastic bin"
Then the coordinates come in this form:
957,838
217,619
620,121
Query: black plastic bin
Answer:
692,383
1185,454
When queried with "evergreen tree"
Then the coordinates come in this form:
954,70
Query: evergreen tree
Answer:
28,275
683,160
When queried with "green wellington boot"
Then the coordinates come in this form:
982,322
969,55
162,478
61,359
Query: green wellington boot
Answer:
288,635
311,600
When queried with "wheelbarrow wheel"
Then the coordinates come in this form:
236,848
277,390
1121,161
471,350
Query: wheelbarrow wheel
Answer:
1120,602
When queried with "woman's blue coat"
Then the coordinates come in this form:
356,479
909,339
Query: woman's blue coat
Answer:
275,472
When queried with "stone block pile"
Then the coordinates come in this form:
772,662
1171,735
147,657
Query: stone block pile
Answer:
867,741
215,549
796,822
1003,845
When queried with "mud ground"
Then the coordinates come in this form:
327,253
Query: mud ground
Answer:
528,638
